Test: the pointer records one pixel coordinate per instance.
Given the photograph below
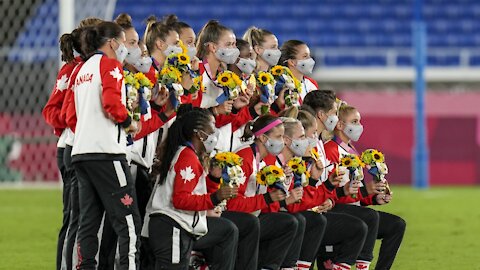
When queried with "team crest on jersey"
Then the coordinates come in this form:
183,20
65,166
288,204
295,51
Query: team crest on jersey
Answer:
62,83
187,174
127,200
116,74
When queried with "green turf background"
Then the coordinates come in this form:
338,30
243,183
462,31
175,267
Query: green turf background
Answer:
443,228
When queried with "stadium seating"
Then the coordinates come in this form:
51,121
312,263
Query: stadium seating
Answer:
329,24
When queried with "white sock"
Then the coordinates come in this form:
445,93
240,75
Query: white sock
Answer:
363,265
302,265
341,266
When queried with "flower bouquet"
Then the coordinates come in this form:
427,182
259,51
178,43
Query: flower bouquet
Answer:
271,176
132,86
265,83
354,169
285,79
375,163
171,75
300,173
232,173
231,84
145,92
196,86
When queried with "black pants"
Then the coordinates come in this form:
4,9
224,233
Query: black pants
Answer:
293,253
165,235
108,246
107,186
143,187
315,225
147,258
248,239
219,245
277,232
371,219
343,240
390,231
71,257
62,235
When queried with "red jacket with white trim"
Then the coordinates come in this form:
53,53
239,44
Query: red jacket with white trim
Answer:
102,117
247,200
334,152
312,195
308,85
68,108
51,111
183,196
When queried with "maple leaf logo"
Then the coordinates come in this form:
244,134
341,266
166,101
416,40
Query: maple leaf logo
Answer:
187,174
328,162
361,266
62,83
328,264
116,74
127,200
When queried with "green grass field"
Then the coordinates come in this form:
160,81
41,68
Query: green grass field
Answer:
443,228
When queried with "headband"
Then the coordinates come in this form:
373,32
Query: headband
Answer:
268,127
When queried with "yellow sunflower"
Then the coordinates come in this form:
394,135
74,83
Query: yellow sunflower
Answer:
276,171
236,79
165,71
221,157
297,165
183,59
261,178
347,162
143,80
263,78
277,70
377,156
177,73
224,79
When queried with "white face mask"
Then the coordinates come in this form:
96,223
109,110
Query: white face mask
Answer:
312,142
331,122
172,49
192,52
306,66
143,64
274,147
134,54
353,131
271,56
246,65
299,147
227,55
121,52
211,141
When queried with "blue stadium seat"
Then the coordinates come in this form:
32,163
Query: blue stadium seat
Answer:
322,24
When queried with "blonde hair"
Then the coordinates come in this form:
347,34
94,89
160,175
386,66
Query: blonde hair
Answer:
124,20
89,21
211,32
256,36
306,118
290,125
291,112
155,30
345,110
